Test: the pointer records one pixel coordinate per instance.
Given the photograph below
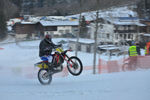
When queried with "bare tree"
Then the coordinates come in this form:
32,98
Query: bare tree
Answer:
2,20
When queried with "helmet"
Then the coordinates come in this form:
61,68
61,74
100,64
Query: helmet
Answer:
48,38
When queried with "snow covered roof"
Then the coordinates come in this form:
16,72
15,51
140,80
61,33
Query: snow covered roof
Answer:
102,46
125,21
128,23
13,21
147,35
111,48
59,23
113,12
25,22
108,47
82,40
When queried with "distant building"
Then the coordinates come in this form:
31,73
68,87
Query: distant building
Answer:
39,29
105,33
84,45
119,29
62,27
25,30
146,36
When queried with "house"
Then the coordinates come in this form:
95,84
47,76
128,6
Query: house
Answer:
33,30
111,50
61,27
127,28
26,30
87,45
146,35
84,45
118,29
105,32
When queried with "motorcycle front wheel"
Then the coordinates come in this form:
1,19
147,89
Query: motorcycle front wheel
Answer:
44,76
74,66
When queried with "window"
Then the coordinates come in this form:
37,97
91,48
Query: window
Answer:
129,36
120,28
126,28
79,47
120,35
61,31
125,36
108,36
132,28
88,48
67,31
116,36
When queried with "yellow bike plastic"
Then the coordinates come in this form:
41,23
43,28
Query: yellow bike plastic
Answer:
41,65
60,50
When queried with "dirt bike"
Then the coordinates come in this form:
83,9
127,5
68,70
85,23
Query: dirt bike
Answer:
129,64
74,66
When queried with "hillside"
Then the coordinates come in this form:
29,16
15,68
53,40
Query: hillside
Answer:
53,7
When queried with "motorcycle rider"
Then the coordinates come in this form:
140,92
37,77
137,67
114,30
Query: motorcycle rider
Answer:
45,49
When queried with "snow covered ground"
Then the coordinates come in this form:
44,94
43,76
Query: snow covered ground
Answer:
116,86
16,60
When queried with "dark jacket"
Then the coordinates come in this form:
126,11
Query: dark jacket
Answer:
138,50
45,47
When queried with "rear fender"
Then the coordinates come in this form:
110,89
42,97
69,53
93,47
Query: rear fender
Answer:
41,65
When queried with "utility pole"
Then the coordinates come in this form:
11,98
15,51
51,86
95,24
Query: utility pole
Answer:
95,38
79,32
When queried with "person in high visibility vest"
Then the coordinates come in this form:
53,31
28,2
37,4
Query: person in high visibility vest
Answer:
147,49
134,51
146,53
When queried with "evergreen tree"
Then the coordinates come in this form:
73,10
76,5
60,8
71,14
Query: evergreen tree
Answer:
2,20
18,4
58,13
143,9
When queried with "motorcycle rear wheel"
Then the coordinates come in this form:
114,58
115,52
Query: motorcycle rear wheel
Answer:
44,76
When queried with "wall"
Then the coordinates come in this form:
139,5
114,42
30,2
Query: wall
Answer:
102,33
21,36
62,30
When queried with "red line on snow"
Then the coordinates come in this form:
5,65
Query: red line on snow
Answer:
1,48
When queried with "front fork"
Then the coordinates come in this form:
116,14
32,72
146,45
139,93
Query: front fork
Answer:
68,62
